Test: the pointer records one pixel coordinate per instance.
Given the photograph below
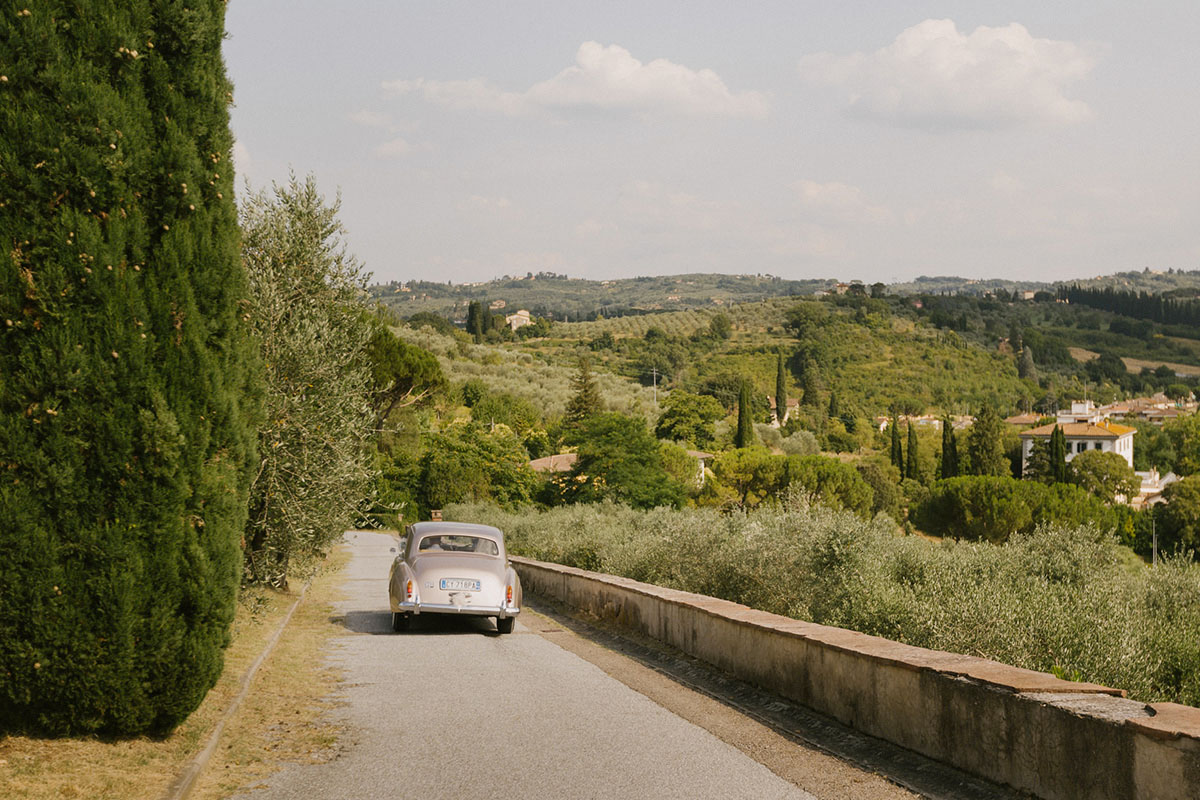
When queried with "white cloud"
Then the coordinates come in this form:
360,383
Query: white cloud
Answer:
396,148
839,202
603,78
933,76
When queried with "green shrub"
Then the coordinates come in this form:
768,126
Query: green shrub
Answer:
125,373
992,507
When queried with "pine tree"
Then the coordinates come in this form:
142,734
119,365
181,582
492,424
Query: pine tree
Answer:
949,466
835,410
126,372
586,400
744,436
781,398
910,464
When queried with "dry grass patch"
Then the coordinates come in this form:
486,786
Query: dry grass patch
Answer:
284,718
143,768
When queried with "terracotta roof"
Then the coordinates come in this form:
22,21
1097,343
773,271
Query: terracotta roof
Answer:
560,462
1023,419
1082,430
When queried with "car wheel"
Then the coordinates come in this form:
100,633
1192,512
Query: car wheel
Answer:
505,624
401,622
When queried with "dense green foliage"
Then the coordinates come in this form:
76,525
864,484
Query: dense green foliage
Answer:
126,375
620,460
1059,597
468,462
689,418
992,508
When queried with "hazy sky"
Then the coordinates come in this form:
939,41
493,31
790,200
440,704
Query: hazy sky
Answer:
867,140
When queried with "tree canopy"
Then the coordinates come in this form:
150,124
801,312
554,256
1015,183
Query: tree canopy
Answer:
688,418
619,460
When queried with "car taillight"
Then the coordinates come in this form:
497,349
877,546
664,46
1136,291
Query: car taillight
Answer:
508,595
408,591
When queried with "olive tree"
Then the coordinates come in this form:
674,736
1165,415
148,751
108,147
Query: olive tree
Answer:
314,469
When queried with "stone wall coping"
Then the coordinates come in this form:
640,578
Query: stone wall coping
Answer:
985,671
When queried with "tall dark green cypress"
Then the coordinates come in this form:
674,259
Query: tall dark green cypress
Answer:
1058,455
126,379
744,436
477,325
781,398
911,469
949,467
897,452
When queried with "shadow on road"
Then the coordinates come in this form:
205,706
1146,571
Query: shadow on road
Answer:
380,623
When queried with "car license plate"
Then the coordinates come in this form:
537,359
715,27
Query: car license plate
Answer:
459,584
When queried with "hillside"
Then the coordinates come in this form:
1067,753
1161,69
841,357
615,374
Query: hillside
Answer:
563,298
575,299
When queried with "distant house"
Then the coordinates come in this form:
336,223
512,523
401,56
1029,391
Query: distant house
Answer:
518,320
1085,428
702,460
496,305
1020,420
793,403
1152,488
559,462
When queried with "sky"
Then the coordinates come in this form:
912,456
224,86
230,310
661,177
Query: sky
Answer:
849,140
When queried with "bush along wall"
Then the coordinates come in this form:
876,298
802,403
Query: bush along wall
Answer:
126,382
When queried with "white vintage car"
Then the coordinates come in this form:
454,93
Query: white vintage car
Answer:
453,568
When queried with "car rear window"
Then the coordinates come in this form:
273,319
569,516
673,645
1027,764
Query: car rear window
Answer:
444,543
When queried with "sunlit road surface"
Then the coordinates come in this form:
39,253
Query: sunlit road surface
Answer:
454,710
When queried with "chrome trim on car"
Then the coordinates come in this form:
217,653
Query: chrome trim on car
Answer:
417,607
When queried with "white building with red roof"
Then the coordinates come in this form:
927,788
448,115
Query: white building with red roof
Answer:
1085,428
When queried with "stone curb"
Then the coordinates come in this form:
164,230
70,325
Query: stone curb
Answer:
182,786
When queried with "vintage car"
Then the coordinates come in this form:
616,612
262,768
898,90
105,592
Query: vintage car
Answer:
453,568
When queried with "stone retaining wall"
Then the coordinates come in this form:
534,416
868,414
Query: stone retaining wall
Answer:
1037,733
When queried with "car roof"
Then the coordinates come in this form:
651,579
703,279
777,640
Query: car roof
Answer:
456,529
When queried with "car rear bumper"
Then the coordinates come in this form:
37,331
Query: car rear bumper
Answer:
411,607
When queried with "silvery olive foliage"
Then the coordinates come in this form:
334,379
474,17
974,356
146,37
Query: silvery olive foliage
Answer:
306,293
1064,598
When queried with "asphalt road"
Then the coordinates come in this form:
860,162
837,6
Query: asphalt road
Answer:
454,710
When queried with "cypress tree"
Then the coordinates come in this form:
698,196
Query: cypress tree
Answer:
985,444
744,437
781,397
949,450
1025,365
1058,455
476,325
910,464
897,453
126,432
811,383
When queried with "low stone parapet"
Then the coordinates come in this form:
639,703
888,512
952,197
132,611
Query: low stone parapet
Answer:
1029,730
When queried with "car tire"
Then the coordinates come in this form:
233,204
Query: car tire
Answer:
505,624
401,622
